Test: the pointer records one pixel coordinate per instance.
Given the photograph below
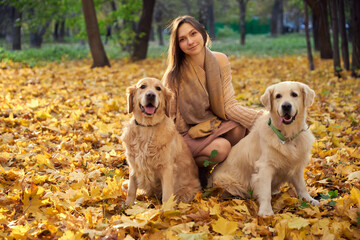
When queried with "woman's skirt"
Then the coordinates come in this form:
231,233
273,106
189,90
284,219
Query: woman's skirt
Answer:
198,144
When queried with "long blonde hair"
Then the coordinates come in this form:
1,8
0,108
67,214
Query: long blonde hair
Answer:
176,56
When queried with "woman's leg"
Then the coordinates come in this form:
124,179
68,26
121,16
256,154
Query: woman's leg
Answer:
220,144
223,147
235,135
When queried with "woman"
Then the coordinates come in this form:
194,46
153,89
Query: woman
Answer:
205,110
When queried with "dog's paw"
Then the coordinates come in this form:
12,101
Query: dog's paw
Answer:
129,201
265,212
314,202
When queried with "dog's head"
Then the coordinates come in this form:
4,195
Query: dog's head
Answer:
287,100
149,100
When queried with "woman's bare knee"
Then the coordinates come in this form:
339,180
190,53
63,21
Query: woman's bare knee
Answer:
221,145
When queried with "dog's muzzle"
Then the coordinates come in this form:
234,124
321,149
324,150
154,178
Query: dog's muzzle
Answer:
150,104
286,117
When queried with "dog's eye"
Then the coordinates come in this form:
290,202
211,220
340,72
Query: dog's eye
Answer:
158,88
143,86
278,96
293,94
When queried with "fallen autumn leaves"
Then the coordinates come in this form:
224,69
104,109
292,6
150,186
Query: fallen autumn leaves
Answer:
62,163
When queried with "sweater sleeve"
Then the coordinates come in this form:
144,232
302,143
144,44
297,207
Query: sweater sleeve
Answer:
233,109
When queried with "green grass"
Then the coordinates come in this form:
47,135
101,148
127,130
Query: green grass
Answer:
229,43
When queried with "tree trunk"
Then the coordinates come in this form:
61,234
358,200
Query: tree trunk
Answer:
96,47
335,35
315,28
319,8
355,22
158,18
280,21
16,29
344,40
56,31
211,19
160,35
203,12
36,36
274,18
143,32
242,5
307,35
62,31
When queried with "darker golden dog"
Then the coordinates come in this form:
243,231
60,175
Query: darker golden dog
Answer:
160,162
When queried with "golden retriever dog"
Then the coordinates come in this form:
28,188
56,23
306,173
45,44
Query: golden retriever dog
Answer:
276,150
160,162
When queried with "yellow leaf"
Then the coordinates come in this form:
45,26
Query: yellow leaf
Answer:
70,235
32,199
127,222
44,160
355,195
19,232
224,227
298,223
169,204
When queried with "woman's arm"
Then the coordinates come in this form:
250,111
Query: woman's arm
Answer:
233,109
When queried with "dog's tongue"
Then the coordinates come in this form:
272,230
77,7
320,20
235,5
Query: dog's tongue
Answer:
150,110
280,121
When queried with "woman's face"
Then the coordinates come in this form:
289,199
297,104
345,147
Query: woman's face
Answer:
190,40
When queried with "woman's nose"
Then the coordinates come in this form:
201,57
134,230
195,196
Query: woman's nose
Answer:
190,41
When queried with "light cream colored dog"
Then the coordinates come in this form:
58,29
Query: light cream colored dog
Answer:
160,162
276,150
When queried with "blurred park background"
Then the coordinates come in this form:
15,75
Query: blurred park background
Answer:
52,30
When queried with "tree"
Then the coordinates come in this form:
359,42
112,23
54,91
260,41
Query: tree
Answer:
335,34
143,32
242,6
320,21
211,18
158,18
307,34
96,47
344,39
276,18
16,28
355,23
203,12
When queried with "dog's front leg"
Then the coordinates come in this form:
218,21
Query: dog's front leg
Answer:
299,184
262,189
132,187
167,183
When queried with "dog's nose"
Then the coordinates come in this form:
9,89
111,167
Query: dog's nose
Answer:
286,107
150,96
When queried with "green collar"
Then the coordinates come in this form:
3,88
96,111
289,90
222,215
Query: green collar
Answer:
281,137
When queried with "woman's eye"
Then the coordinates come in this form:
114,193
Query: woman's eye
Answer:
143,86
294,94
158,88
193,33
278,96
181,39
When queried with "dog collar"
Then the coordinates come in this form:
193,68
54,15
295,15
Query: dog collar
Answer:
142,125
281,137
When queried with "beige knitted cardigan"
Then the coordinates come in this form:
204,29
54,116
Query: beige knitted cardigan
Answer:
233,109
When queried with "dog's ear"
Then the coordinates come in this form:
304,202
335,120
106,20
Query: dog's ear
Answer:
169,97
308,94
130,92
266,98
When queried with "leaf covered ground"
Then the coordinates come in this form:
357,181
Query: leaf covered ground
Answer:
63,165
